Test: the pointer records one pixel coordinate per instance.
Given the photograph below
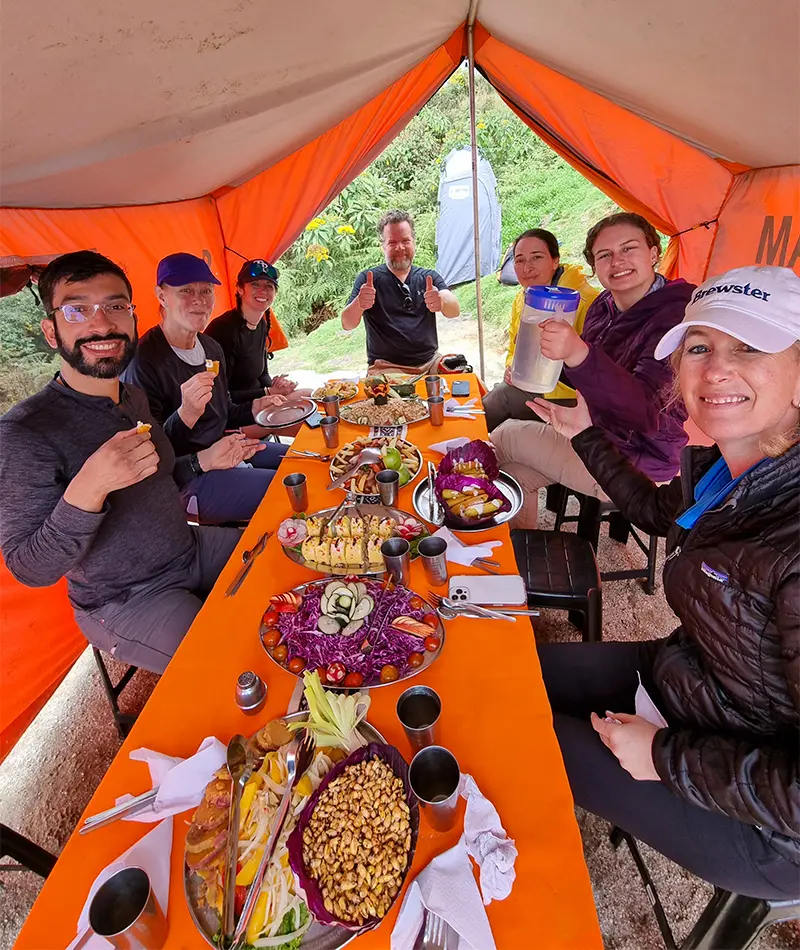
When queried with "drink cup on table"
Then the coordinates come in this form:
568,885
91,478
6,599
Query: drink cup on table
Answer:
433,552
397,556
388,486
330,431
331,406
434,777
125,912
418,710
436,410
433,385
297,490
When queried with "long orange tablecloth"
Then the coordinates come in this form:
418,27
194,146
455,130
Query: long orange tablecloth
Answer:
495,719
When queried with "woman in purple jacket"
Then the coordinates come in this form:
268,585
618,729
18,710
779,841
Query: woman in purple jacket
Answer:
612,366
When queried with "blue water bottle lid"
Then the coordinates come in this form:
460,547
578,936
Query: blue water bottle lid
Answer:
552,298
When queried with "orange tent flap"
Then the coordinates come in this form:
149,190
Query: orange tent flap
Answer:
277,337
760,223
136,237
636,163
39,642
263,216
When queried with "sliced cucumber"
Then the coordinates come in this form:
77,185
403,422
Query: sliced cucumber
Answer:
363,608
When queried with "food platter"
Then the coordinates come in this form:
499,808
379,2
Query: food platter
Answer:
343,388
330,621
207,919
363,485
357,530
292,412
506,484
396,412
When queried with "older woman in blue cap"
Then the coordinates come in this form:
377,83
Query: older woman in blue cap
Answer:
692,743
182,371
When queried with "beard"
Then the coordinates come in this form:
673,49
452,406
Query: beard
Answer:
106,367
400,261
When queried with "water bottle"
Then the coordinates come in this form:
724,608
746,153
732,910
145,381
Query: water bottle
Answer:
530,370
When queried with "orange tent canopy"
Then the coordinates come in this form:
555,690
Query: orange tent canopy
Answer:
141,130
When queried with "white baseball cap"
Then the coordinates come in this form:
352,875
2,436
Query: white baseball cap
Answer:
758,305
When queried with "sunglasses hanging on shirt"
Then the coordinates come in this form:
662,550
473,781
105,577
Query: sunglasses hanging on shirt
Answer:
408,301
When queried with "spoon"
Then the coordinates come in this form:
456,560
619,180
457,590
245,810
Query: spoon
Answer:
241,762
364,457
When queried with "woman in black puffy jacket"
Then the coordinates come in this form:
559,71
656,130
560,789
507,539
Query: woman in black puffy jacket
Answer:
705,723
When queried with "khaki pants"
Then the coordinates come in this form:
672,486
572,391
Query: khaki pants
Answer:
537,456
379,367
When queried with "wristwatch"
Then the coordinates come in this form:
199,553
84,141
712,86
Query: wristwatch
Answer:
195,466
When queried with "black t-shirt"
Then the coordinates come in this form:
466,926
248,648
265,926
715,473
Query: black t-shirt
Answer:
245,354
399,330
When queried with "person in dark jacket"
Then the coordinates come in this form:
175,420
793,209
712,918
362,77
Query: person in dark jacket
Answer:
706,723
613,365
182,371
244,335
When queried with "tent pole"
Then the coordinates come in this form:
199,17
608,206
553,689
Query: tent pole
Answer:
473,140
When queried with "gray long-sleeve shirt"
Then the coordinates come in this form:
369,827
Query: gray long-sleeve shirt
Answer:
141,532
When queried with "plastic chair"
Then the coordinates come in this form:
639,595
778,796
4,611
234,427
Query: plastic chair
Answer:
728,922
560,572
593,512
123,721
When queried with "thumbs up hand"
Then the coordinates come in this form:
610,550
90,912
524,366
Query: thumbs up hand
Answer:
433,299
366,296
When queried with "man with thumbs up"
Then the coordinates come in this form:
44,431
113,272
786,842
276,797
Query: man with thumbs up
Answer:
399,303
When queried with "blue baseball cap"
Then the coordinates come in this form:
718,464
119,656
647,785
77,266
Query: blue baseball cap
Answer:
176,270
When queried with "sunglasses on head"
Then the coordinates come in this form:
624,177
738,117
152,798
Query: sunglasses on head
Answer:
262,269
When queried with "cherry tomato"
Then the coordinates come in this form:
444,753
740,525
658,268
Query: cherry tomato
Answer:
432,644
280,653
389,673
270,617
416,603
271,638
297,664
239,897
431,620
322,673
336,672
353,679
416,659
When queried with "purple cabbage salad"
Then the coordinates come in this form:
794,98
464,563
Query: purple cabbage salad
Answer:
389,646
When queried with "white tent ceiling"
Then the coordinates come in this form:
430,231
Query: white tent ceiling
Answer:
109,104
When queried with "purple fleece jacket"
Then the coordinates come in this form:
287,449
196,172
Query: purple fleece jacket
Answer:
626,389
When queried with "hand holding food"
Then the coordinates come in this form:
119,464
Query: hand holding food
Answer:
126,458
196,394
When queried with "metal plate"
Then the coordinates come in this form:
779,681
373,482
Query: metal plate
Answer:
354,407
509,486
318,936
376,498
362,510
429,657
289,414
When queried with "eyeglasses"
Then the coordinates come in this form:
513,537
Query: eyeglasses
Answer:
408,300
262,269
84,312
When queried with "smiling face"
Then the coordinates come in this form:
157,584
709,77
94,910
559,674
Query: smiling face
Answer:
398,245
623,262
533,264
258,294
187,308
737,395
103,345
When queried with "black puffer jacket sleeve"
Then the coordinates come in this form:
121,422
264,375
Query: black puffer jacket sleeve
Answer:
651,507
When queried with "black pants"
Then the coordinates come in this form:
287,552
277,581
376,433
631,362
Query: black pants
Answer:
585,677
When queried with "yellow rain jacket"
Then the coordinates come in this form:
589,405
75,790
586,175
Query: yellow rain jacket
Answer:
573,278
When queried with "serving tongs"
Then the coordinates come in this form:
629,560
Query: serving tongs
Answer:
241,762
299,756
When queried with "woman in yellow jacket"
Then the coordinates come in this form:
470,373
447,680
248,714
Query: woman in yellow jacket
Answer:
536,262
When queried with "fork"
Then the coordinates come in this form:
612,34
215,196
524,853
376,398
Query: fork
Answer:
301,453
436,934
505,613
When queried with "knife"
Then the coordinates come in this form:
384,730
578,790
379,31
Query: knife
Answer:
249,557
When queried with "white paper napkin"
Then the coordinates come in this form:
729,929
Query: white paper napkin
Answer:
460,553
646,708
152,854
447,888
487,843
444,447
182,781
451,405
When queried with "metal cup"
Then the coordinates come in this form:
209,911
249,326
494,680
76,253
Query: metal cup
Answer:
330,430
434,777
125,912
436,410
297,490
331,405
388,486
397,555
433,552
418,710
433,385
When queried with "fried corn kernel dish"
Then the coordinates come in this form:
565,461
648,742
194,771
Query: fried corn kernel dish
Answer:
142,427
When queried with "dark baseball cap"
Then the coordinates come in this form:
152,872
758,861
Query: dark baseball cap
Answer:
177,270
257,270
